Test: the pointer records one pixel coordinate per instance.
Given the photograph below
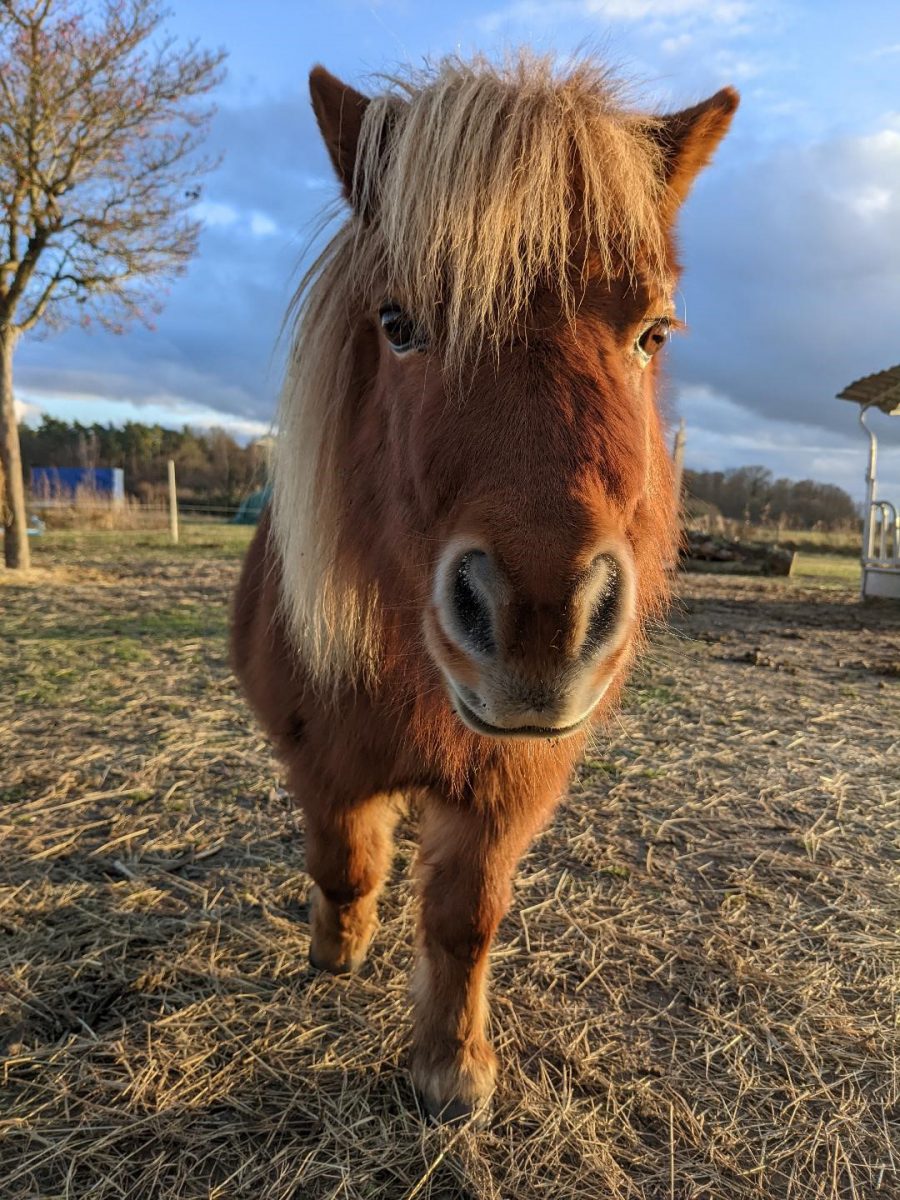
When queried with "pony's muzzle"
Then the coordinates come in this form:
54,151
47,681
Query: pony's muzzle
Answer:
529,661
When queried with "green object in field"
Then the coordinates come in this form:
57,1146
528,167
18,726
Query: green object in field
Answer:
252,507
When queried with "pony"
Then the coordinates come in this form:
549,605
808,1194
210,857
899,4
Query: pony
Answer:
473,508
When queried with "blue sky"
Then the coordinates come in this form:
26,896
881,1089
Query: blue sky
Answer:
791,241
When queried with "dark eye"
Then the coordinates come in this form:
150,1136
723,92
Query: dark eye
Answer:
403,333
654,337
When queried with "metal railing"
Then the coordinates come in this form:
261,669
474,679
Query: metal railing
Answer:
883,530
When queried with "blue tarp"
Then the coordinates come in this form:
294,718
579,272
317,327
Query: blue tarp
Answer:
50,483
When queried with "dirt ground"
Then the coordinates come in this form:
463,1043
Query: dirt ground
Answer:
695,993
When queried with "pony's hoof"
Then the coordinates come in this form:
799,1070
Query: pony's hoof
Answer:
456,1091
335,968
455,1112
338,939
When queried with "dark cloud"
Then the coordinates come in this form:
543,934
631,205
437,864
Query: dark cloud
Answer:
216,342
793,274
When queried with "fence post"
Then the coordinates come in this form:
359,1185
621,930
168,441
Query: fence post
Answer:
173,502
678,460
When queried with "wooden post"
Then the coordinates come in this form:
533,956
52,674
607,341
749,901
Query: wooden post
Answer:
173,502
678,459
16,550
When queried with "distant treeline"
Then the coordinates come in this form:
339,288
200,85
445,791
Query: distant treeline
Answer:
214,468
209,466
752,494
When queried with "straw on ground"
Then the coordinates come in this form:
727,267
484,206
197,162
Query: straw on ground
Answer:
697,984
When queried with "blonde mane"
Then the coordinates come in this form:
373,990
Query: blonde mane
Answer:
474,181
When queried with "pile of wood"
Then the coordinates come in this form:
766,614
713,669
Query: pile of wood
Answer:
753,557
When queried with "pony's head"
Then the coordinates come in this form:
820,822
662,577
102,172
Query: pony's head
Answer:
471,460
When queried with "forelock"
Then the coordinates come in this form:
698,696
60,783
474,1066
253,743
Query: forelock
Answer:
476,183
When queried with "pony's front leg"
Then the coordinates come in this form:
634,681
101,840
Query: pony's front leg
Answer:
466,864
349,847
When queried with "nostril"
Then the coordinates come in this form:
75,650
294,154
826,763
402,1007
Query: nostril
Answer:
470,606
606,606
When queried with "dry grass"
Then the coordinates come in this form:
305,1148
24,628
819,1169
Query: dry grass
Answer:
809,541
695,993
87,510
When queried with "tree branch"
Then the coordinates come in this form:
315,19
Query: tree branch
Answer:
99,156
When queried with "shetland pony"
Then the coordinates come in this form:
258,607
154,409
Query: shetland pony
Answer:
473,505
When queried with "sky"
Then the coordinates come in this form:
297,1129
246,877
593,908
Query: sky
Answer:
791,240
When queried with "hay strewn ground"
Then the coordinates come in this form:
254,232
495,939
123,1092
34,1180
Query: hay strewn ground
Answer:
695,994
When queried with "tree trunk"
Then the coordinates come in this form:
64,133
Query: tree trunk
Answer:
15,544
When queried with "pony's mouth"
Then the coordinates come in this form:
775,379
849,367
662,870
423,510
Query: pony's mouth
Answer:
476,723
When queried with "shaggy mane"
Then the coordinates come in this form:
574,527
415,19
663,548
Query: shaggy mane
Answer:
474,180
474,175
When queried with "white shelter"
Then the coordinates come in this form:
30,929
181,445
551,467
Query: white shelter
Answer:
881,524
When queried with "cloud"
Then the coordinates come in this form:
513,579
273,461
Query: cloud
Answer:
215,214
793,270
25,410
871,200
738,68
675,45
261,225
721,434
551,12
217,340
164,411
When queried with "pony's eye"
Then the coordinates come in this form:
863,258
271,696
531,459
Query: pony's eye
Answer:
654,337
403,333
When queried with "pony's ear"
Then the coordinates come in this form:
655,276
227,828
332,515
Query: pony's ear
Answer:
339,111
688,139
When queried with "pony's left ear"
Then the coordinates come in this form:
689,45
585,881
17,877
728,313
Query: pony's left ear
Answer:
339,111
688,139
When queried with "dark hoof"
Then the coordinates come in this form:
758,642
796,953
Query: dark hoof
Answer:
455,1112
329,968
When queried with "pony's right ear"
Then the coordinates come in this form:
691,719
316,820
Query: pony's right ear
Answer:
688,140
339,111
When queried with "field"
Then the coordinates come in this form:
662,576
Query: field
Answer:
695,993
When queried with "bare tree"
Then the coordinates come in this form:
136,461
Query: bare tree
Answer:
100,135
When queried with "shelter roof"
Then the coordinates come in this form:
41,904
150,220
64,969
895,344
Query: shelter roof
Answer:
881,390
